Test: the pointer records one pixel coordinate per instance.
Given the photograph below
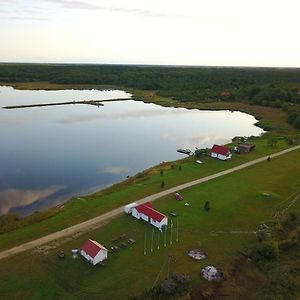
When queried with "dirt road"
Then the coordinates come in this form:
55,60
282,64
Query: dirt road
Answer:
98,221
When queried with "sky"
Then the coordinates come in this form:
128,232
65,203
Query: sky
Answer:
165,32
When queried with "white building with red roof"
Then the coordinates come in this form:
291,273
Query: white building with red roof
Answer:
150,215
93,252
220,152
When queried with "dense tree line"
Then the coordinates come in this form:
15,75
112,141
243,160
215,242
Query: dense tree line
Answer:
264,86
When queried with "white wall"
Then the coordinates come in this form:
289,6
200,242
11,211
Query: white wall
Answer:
128,208
215,155
159,225
144,217
220,156
102,255
135,213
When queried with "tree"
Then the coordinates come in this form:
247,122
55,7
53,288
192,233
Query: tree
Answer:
162,185
261,235
292,115
179,168
296,122
198,153
207,206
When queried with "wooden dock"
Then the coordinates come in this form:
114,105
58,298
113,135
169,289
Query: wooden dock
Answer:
88,102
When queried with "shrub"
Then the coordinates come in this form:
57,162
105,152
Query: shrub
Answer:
207,206
296,122
292,116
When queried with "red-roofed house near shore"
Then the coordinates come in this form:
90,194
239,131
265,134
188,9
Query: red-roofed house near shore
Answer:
93,252
150,215
220,152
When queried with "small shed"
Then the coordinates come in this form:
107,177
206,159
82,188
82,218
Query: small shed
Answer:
128,208
244,147
220,152
93,252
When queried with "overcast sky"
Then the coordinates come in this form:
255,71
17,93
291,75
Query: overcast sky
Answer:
190,32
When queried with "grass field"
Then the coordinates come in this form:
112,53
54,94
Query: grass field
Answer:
237,204
144,184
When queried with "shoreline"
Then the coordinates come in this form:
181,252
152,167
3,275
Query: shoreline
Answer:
146,97
96,222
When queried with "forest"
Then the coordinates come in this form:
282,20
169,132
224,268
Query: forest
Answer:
275,87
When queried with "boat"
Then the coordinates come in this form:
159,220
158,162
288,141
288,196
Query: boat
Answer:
185,151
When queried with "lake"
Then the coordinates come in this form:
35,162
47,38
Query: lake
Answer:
49,154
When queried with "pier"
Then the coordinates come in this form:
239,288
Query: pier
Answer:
89,102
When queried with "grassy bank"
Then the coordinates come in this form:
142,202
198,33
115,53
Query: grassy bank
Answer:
237,208
237,205
143,184
16,231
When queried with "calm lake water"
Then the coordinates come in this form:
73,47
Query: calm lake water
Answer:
49,154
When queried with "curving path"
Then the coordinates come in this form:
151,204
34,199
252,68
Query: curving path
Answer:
97,221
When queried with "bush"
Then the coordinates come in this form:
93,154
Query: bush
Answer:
296,122
207,206
292,116
261,235
169,287
269,251
289,141
264,252
292,220
198,153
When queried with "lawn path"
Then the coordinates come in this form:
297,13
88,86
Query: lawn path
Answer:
98,221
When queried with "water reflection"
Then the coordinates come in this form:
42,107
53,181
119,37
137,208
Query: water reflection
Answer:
114,170
48,154
14,197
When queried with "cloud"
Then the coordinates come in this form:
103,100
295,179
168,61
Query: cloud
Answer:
28,18
77,4
115,170
204,141
33,12
11,198
81,119
125,115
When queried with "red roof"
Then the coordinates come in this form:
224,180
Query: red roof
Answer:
92,248
150,212
220,150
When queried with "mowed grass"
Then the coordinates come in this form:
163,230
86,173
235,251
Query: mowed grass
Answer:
237,204
83,208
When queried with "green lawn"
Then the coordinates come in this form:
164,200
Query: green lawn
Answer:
237,204
144,184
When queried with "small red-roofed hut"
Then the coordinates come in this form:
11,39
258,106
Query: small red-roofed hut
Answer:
93,252
148,214
220,152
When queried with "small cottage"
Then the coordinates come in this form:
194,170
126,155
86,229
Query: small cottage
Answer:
244,147
220,152
93,252
150,215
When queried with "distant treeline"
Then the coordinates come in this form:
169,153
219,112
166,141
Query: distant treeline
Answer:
264,86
